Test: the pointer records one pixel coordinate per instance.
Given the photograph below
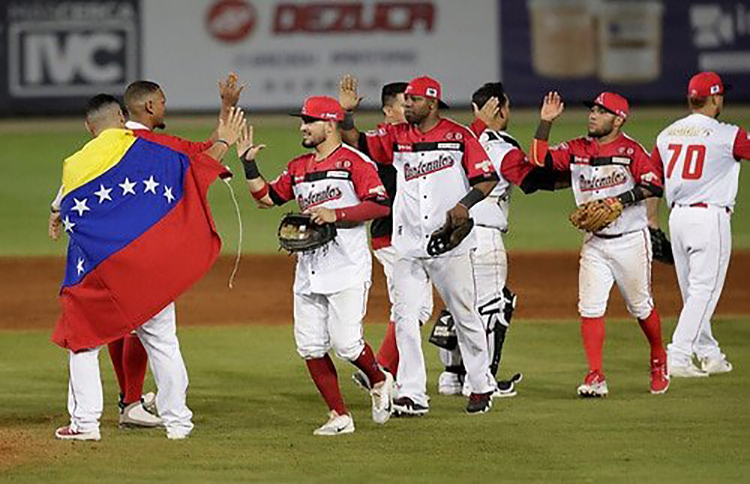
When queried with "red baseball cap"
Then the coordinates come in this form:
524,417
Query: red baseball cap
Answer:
426,87
706,84
614,103
322,108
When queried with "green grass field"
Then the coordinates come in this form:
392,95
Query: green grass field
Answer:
30,164
255,410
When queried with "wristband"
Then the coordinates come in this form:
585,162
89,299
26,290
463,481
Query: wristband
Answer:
251,169
222,141
348,122
631,196
260,193
474,196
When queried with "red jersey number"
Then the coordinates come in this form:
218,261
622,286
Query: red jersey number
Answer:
692,167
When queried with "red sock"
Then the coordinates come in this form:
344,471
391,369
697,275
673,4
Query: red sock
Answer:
651,327
366,362
135,361
592,330
388,352
324,375
115,354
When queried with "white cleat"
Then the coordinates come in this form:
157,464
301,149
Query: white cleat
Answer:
67,433
685,371
594,385
149,403
450,383
382,402
336,425
136,415
177,435
716,365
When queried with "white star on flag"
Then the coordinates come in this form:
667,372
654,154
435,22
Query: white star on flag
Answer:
68,224
168,194
127,187
103,193
80,206
151,185
79,267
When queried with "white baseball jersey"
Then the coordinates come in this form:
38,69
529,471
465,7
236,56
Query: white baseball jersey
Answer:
493,210
344,179
698,157
434,171
607,170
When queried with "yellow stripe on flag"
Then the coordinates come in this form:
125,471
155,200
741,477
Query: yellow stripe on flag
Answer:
96,157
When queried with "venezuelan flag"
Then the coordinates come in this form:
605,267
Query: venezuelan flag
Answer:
140,233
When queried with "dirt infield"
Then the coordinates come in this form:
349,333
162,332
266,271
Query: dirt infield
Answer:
545,282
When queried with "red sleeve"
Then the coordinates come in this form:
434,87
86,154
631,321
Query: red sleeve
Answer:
515,166
367,210
366,181
561,156
476,162
742,145
379,144
174,142
644,169
477,127
282,187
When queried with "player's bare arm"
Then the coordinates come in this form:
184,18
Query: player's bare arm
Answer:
229,92
459,214
552,107
247,152
349,99
54,225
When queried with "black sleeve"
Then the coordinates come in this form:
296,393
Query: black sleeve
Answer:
362,145
539,179
275,198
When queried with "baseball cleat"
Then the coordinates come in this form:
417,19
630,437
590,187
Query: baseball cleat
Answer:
507,388
361,380
479,403
67,433
382,404
659,377
688,370
594,385
716,365
149,403
177,435
450,383
136,415
406,407
336,425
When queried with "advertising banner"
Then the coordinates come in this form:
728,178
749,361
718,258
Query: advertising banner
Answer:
644,49
56,54
286,50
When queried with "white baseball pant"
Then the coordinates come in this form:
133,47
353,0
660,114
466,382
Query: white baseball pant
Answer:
387,257
624,260
159,337
325,321
453,277
702,246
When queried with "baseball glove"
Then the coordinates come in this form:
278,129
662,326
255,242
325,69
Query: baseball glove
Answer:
443,334
660,246
448,237
298,233
596,215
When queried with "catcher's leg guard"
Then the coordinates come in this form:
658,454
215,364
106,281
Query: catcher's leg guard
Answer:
496,314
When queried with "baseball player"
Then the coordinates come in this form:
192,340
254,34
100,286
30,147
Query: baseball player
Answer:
441,169
381,229
698,158
145,104
608,163
104,117
336,184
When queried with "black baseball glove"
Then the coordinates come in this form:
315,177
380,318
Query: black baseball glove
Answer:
298,233
660,246
448,237
443,334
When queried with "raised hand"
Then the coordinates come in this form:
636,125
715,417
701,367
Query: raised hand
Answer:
348,96
230,90
552,106
230,129
245,148
488,111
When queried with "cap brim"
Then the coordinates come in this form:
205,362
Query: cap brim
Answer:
591,104
727,87
443,105
305,117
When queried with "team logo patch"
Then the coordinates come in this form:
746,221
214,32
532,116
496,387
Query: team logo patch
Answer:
484,165
603,182
449,146
431,91
428,167
339,173
313,199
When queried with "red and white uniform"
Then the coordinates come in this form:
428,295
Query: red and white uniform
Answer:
698,158
621,252
434,171
331,284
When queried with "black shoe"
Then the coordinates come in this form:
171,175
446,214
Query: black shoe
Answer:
507,388
479,403
405,406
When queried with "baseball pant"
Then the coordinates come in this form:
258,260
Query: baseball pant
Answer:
625,260
159,337
387,257
490,274
702,246
325,321
453,277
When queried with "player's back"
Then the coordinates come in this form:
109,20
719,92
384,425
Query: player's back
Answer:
698,161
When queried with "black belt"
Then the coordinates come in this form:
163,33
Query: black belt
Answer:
702,205
608,236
